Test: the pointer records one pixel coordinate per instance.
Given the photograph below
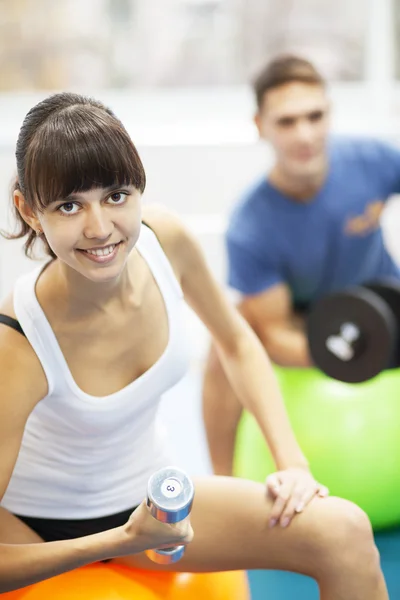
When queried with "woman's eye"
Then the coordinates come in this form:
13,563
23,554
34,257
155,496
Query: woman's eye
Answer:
118,198
69,208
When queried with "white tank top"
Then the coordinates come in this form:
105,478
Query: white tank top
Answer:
82,456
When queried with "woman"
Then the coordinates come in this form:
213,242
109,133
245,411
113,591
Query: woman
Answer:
90,342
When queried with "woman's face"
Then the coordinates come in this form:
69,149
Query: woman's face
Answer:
94,232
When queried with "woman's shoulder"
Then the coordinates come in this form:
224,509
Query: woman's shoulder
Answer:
7,306
165,223
20,368
172,233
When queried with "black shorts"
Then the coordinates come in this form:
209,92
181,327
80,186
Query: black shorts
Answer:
53,530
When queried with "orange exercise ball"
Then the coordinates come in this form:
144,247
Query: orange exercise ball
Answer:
114,582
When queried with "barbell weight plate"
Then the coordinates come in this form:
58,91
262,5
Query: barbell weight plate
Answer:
364,310
389,290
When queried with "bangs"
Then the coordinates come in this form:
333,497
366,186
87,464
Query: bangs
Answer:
77,150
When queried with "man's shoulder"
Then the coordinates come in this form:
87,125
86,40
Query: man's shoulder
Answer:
246,212
360,148
253,200
256,191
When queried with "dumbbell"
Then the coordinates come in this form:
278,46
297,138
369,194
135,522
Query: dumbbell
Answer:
354,334
170,494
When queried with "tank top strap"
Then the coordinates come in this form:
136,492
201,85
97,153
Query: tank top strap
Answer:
152,251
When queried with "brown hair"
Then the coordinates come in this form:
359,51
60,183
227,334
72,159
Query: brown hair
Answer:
285,69
67,144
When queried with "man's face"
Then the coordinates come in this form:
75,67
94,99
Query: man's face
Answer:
294,118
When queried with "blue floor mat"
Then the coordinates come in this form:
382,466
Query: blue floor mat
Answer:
276,585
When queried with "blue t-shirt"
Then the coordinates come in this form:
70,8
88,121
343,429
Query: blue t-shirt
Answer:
329,243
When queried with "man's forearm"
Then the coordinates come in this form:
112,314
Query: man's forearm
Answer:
286,346
221,413
250,373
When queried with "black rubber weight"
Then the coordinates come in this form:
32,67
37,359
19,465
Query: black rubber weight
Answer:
389,290
377,323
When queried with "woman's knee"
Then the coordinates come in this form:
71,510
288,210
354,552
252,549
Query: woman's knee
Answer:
344,536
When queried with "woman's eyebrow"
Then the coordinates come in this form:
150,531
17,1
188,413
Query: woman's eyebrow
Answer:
76,196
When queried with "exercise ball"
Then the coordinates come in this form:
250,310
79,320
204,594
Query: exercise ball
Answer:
114,582
348,432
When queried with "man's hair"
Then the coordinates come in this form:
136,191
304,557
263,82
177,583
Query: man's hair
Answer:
285,69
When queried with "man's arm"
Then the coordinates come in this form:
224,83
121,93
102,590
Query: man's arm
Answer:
256,271
383,160
271,316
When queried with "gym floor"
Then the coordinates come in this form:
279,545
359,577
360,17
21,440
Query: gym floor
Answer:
182,405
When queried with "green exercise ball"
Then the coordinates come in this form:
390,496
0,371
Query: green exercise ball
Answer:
350,434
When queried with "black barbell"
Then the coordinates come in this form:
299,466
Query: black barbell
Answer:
354,334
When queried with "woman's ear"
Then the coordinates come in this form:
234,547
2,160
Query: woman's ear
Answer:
26,212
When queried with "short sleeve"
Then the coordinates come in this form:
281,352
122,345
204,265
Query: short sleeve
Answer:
249,273
385,158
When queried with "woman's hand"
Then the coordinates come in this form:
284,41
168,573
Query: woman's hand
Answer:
144,532
292,489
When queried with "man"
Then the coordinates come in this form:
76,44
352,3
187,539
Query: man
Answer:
312,226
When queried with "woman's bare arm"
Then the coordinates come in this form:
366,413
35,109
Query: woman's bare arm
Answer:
244,359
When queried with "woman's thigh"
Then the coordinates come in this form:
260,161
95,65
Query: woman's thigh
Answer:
230,522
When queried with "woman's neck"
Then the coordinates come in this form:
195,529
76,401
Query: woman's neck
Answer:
76,296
